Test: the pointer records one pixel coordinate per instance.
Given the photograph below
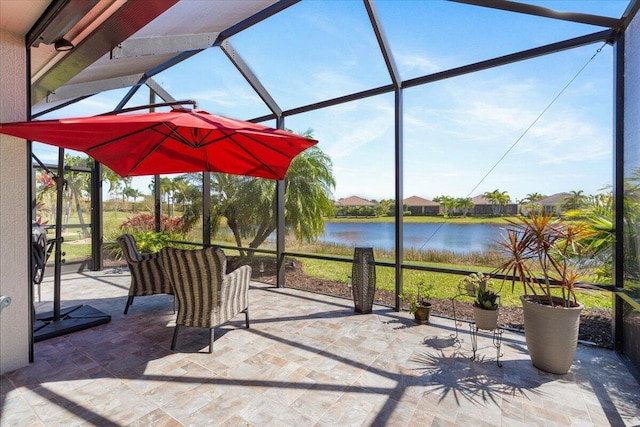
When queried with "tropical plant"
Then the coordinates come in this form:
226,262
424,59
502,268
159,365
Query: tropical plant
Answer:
384,208
533,197
249,204
421,299
597,214
447,204
134,194
528,204
147,242
464,204
575,200
538,243
143,223
114,180
486,300
498,200
78,185
481,286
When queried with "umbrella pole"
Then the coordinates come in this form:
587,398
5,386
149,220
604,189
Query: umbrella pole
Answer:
57,271
72,319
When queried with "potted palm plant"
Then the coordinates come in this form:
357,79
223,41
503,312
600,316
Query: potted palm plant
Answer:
419,304
485,304
538,245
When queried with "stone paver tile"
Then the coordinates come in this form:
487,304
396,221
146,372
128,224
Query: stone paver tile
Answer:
156,418
17,412
306,360
122,405
315,401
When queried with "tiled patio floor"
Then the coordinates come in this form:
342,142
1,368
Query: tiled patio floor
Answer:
307,360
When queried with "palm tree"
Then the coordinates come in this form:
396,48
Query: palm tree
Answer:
133,193
497,199
127,185
248,204
384,207
447,204
533,197
78,183
503,200
115,181
575,200
181,186
465,205
529,202
167,187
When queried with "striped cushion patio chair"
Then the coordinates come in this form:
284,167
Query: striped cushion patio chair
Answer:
147,274
207,296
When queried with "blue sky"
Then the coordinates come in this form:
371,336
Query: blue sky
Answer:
454,130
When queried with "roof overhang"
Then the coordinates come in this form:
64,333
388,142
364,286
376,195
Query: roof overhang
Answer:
121,44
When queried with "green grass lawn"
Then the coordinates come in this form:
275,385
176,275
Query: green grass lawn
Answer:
445,285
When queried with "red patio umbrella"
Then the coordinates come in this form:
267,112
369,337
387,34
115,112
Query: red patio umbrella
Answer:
178,141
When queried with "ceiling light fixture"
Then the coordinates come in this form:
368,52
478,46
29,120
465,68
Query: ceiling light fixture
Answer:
63,45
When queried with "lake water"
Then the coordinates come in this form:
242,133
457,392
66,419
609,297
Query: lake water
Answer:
457,238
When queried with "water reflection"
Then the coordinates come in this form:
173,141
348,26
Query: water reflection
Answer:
457,238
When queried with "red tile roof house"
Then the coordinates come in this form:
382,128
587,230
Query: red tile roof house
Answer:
355,206
420,206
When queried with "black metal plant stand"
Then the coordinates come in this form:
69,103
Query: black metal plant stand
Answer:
61,322
497,341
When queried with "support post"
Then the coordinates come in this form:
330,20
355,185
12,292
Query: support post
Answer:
280,225
618,190
96,217
206,209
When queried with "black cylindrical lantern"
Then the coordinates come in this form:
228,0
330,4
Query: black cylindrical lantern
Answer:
363,280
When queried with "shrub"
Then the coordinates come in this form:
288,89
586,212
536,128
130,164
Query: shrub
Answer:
146,223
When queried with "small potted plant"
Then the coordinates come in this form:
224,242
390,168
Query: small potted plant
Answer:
485,305
419,304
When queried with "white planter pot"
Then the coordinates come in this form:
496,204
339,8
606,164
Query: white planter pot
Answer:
485,319
551,334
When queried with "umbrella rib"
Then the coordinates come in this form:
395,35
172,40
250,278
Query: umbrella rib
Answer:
119,137
231,137
157,145
172,134
154,128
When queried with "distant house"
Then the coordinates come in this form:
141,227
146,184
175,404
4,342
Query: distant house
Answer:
552,205
482,207
354,201
420,206
355,206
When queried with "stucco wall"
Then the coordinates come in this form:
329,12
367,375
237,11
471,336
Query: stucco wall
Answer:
14,229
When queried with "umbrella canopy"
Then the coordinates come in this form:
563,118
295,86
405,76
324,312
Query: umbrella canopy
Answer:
178,141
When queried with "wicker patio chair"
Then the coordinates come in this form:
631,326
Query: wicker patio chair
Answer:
147,274
207,296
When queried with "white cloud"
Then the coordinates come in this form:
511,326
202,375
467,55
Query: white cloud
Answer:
418,64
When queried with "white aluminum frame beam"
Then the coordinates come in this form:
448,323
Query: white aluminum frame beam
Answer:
134,48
